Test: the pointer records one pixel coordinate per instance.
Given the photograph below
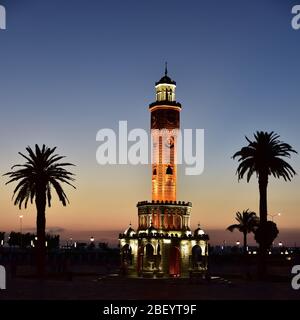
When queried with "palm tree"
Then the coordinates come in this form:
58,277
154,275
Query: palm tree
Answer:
247,222
264,156
41,172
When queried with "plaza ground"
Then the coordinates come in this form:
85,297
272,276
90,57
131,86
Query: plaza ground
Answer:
113,287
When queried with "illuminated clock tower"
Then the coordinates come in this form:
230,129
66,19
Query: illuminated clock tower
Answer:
164,245
165,120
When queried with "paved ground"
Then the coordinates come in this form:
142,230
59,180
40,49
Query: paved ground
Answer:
113,287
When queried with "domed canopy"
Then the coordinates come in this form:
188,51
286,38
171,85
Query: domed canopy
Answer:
199,231
165,79
129,231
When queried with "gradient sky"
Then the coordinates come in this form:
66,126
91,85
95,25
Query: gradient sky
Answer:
69,68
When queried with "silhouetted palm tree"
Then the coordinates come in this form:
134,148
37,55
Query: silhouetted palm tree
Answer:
247,222
263,156
36,177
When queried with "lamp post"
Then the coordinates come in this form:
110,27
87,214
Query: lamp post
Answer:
238,245
21,223
92,245
280,244
21,229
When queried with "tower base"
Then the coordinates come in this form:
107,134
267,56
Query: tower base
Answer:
166,247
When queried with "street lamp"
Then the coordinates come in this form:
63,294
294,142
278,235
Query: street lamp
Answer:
280,244
274,215
21,229
238,243
92,239
21,223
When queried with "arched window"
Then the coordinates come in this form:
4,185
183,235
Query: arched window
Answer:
197,258
169,170
154,172
127,254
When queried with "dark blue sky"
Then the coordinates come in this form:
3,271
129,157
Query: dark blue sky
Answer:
69,68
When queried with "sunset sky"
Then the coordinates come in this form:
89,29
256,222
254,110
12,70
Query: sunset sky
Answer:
69,68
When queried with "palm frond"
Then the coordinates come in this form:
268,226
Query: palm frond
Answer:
264,154
41,170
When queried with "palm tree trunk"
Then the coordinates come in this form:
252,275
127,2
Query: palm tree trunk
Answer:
41,227
245,242
263,211
263,214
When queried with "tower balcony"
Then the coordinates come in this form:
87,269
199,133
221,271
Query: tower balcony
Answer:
164,215
164,202
165,103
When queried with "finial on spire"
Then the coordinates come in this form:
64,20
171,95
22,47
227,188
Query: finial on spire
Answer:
166,68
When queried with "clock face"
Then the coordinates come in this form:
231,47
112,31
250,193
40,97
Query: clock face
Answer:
170,142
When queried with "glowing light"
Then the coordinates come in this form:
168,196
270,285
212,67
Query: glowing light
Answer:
165,85
167,240
184,248
133,246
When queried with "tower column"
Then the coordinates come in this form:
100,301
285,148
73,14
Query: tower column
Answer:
165,122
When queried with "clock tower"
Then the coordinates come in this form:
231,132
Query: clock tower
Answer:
165,120
163,244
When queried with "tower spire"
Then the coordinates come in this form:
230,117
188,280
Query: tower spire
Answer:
166,68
